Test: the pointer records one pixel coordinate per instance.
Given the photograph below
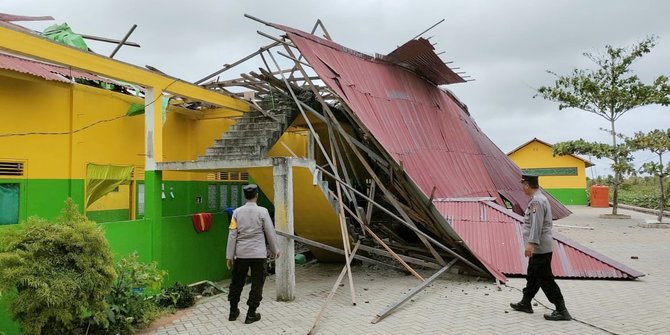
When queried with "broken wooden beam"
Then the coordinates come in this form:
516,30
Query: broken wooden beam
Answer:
389,309
336,250
407,259
345,269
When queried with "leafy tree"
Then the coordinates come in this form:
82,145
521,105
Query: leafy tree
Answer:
621,155
658,142
609,91
60,271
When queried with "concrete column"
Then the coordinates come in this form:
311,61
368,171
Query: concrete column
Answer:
153,212
153,128
310,145
282,172
153,179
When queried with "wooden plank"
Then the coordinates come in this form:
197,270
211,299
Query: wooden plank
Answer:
343,223
389,250
389,309
304,115
123,41
416,230
345,269
229,66
335,250
407,259
368,211
109,40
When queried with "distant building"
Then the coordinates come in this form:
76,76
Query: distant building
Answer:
564,177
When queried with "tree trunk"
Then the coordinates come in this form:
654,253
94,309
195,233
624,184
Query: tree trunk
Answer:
660,179
617,174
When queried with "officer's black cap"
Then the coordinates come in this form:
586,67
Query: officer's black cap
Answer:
531,179
250,190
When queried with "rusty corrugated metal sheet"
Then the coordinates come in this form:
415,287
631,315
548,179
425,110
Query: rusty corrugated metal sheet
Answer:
438,144
421,127
46,71
419,56
495,235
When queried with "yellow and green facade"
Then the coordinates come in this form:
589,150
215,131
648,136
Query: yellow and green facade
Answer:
564,177
44,170
54,131
62,140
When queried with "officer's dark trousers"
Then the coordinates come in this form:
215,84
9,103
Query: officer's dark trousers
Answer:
240,269
540,276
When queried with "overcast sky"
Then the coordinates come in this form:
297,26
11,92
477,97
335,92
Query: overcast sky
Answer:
507,46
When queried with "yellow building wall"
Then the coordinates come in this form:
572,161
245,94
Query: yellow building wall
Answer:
538,155
29,104
295,140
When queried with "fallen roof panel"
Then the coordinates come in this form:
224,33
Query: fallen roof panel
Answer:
495,235
438,145
427,132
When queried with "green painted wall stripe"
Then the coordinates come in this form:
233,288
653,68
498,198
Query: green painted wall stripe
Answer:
569,196
111,215
126,237
556,171
189,256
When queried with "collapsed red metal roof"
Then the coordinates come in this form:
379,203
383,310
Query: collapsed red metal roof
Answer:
45,70
423,128
494,233
439,146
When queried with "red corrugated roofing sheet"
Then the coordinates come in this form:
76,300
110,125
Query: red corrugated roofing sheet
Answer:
46,71
419,56
439,145
495,235
436,140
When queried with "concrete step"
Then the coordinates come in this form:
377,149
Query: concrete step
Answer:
257,126
242,149
230,157
232,142
252,133
262,118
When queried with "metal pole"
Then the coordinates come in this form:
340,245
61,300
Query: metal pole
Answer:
123,41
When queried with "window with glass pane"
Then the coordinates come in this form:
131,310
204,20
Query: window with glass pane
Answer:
9,203
224,196
140,199
211,196
235,196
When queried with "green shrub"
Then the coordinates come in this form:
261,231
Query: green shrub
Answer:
129,304
642,192
60,272
177,295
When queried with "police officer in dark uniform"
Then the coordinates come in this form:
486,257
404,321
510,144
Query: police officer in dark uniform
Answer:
538,241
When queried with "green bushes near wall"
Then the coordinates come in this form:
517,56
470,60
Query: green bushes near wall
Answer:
58,269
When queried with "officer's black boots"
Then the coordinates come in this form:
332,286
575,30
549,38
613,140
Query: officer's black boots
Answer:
523,305
560,314
234,313
252,317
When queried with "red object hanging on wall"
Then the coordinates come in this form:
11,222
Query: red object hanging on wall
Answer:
202,222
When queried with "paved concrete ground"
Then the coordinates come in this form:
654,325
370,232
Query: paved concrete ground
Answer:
464,305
